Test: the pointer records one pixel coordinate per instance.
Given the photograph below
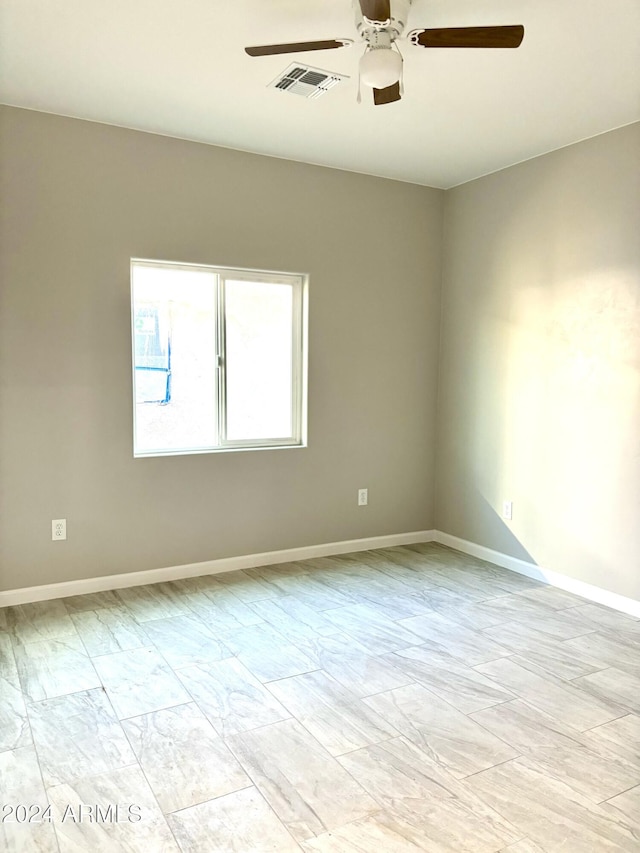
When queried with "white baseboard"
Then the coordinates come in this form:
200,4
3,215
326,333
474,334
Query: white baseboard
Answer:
531,570
328,549
209,567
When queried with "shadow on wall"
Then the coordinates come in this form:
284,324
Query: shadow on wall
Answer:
492,529
602,592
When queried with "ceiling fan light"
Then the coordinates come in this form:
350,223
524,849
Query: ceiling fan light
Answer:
380,68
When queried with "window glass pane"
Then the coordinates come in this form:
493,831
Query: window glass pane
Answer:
258,328
174,358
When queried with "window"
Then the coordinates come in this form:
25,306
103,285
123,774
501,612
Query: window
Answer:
218,358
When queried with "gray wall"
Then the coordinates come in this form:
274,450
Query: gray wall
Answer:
540,362
78,201
539,393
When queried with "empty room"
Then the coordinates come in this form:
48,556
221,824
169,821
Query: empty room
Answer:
319,426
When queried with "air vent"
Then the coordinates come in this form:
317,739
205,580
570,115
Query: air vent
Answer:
306,81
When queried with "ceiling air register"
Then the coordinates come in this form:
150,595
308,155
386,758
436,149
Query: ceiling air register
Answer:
304,80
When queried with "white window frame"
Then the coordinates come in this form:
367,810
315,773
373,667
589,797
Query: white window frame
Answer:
299,282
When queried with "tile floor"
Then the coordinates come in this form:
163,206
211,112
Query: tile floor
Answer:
402,700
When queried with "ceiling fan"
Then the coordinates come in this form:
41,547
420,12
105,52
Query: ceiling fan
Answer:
380,23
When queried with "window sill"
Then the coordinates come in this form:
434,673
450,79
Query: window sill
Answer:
153,454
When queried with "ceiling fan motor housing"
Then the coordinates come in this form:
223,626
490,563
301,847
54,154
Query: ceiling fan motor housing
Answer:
398,21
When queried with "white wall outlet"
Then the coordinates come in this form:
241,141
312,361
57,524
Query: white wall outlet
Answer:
59,529
363,497
507,510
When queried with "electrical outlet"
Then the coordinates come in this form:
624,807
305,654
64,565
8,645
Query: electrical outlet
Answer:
59,529
363,497
507,510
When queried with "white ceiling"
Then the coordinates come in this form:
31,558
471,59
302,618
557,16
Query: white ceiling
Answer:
178,67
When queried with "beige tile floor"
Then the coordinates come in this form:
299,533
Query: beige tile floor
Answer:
407,699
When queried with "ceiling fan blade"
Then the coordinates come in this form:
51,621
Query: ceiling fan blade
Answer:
468,37
376,10
387,95
296,47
